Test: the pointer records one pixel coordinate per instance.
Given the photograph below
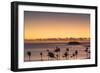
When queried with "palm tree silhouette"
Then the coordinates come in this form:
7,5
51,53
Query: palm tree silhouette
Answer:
57,50
50,54
67,50
66,55
29,54
73,55
76,53
41,54
87,52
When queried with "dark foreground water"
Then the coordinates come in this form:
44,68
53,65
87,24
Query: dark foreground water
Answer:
36,48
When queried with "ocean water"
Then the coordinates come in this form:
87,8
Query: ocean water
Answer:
37,48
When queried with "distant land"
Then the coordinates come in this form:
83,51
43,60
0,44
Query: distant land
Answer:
59,40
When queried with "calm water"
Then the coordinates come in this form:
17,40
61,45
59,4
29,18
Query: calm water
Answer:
36,48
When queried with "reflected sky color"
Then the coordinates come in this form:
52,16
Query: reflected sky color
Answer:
55,25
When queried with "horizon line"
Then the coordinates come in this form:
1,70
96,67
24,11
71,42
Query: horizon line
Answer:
58,38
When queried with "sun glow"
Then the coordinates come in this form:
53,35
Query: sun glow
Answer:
46,26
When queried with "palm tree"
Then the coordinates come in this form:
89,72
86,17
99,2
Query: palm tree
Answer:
73,55
41,54
66,55
29,54
57,50
87,52
50,54
76,53
67,50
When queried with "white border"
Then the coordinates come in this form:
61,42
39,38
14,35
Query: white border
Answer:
22,64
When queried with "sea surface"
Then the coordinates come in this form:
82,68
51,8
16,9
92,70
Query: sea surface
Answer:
36,48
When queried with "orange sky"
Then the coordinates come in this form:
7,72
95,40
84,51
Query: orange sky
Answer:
55,25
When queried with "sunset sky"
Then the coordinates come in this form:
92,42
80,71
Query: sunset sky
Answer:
42,25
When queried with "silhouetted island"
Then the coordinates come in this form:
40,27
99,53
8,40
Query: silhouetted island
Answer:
74,43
